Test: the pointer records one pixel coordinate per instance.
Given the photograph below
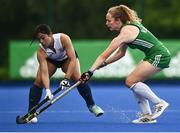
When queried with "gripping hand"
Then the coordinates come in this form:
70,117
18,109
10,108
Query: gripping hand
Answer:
65,84
86,76
48,94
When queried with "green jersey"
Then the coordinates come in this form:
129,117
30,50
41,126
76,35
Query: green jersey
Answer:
156,53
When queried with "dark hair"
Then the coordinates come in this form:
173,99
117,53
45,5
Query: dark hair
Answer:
41,28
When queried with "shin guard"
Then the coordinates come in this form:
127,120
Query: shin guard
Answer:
34,96
85,92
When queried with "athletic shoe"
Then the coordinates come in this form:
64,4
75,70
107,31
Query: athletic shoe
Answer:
159,109
33,120
144,119
96,110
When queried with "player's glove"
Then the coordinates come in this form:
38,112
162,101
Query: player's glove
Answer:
48,94
86,76
102,65
65,84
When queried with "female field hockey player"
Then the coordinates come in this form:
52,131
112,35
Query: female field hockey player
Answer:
134,35
56,51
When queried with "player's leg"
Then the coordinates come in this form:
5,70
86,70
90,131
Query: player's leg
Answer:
84,89
143,103
36,90
145,110
135,81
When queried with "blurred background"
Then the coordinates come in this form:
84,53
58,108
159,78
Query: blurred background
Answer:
84,22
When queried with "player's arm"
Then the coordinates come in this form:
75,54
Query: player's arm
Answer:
127,34
117,54
41,56
67,44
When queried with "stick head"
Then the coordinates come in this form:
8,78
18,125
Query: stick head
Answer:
20,120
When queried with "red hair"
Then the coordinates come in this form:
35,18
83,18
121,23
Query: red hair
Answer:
124,13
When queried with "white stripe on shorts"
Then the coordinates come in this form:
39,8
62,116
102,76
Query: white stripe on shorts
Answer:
157,60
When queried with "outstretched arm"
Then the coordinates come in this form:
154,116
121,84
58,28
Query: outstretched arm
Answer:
117,55
127,35
41,56
115,43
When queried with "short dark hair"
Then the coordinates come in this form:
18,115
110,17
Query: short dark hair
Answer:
43,28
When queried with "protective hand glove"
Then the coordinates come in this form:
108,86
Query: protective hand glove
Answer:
86,76
102,65
48,94
65,84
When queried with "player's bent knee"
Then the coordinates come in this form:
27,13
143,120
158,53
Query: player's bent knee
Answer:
76,78
38,83
129,83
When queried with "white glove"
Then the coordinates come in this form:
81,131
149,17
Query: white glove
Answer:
48,94
64,84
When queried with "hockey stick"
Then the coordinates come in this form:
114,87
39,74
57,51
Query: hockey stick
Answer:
31,111
29,116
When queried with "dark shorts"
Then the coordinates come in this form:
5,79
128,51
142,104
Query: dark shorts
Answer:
59,64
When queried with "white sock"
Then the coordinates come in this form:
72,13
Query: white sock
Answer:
143,103
143,90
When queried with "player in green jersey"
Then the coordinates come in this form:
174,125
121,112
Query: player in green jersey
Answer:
134,35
